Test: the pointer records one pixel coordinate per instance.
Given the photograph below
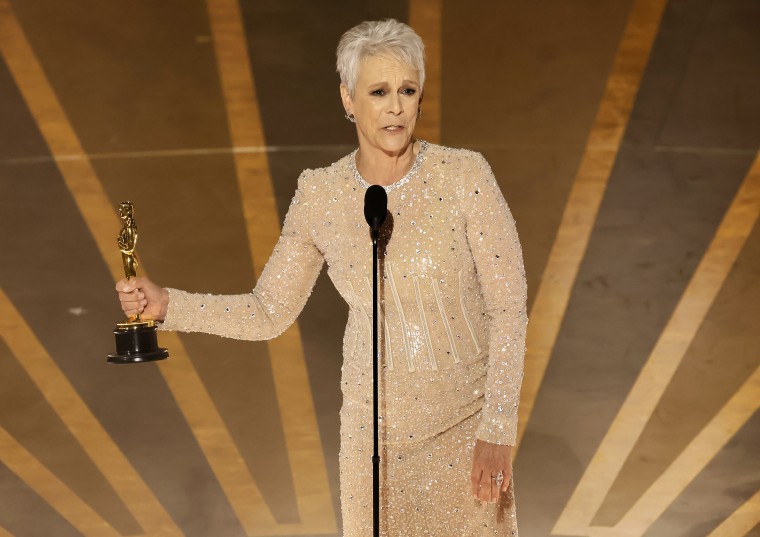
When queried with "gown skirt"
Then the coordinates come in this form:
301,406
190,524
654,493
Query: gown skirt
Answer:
424,485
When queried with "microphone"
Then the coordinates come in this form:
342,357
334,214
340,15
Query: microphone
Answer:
375,208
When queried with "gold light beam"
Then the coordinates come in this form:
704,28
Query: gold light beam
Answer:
585,198
54,126
741,521
665,358
51,489
289,370
181,376
693,459
425,18
4,532
214,438
83,425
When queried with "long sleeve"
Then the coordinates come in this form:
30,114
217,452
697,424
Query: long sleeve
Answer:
495,247
280,293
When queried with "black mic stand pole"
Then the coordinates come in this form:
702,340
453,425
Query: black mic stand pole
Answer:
375,362
375,209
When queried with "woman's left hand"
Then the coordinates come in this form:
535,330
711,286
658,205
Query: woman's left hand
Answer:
488,461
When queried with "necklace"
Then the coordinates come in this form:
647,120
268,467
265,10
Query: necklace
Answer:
404,180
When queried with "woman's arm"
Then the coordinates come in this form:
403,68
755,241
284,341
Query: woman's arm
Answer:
279,296
492,236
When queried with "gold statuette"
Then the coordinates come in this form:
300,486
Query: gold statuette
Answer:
127,243
136,339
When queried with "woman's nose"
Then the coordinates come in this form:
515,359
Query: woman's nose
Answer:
394,106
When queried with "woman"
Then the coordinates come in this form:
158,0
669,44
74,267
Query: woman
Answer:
453,297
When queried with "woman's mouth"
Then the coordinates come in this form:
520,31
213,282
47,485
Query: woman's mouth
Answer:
393,128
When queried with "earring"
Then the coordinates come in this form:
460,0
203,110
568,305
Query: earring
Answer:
419,112
350,117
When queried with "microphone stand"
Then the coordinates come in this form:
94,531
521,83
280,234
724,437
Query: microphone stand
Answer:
375,361
375,209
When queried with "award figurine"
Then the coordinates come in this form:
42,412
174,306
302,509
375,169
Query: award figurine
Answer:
136,339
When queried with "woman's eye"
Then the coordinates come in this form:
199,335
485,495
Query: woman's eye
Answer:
409,91
378,92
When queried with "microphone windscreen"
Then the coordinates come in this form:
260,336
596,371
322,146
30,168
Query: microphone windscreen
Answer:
375,205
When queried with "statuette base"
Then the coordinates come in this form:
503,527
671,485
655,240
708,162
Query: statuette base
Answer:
136,342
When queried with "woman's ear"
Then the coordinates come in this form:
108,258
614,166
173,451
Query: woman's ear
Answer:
346,98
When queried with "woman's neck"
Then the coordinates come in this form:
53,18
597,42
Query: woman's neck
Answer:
380,168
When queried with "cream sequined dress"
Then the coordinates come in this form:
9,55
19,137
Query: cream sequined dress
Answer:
453,296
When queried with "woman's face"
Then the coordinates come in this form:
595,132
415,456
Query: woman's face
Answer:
385,103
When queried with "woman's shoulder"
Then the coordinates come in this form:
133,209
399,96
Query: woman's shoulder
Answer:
453,156
337,171
457,167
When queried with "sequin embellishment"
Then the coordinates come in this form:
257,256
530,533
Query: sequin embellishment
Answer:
393,186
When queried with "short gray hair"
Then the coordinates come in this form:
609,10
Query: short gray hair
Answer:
371,38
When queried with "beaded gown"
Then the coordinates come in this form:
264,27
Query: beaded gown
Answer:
453,310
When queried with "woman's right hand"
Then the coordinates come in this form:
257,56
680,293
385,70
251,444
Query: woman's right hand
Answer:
140,295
